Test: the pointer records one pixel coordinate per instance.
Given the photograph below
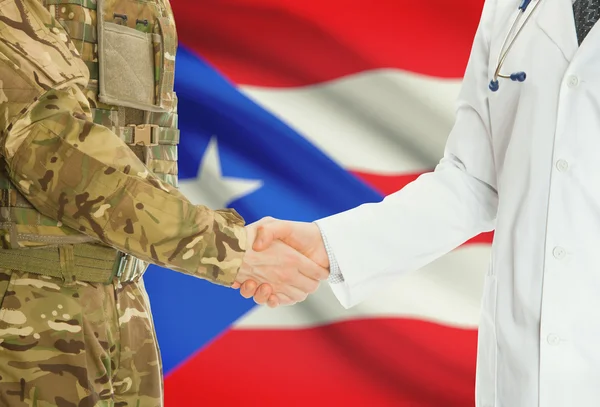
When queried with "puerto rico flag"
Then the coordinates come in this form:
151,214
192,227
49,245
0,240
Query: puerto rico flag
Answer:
300,109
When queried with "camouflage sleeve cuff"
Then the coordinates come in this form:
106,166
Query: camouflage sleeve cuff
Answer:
232,216
221,266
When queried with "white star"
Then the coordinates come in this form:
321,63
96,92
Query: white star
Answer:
210,187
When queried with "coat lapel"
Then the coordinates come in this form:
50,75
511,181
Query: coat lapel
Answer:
556,20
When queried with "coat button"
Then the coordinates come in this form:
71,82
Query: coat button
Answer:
559,253
562,165
553,339
71,15
572,81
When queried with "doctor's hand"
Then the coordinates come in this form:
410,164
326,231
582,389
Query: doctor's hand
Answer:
287,274
303,237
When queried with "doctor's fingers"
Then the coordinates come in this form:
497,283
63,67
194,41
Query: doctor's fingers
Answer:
276,300
283,268
293,268
292,285
295,285
264,293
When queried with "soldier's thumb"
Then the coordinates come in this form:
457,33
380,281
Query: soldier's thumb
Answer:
263,240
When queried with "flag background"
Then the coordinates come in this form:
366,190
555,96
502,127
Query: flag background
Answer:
299,110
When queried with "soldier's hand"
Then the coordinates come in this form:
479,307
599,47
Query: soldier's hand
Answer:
286,274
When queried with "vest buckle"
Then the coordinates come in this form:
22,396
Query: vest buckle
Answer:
144,134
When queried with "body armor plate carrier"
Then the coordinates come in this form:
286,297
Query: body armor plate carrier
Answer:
129,48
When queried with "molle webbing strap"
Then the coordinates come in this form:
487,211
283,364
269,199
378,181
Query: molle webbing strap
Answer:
80,31
91,4
161,135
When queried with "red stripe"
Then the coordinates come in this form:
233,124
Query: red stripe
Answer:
372,362
388,184
278,43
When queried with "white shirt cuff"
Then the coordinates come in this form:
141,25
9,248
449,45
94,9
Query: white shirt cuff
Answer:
335,274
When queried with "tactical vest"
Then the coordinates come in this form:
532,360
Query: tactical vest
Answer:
129,48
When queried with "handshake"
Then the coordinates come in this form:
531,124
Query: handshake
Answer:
284,262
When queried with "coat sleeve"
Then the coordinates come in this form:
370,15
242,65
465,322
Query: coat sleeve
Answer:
84,175
375,243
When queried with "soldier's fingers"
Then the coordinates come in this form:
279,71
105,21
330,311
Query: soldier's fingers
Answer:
263,293
248,288
311,269
302,283
236,285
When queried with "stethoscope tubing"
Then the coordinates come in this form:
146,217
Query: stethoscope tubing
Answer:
520,76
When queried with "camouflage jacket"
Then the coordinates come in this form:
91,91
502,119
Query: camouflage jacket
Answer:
83,175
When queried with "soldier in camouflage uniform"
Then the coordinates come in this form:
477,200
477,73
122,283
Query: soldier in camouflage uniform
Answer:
88,177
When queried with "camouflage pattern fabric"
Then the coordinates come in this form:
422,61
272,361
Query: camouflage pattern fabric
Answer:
80,173
79,346
76,343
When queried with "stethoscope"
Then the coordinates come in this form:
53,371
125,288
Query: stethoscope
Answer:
516,76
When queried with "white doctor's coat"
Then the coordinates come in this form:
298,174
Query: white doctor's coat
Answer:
524,161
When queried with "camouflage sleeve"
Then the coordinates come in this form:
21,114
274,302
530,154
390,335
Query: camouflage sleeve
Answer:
81,173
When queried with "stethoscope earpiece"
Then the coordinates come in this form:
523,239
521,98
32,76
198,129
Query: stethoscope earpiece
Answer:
494,86
518,76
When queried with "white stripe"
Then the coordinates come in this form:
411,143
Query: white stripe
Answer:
448,291
385,121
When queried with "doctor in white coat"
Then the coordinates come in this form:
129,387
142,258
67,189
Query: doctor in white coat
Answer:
523,160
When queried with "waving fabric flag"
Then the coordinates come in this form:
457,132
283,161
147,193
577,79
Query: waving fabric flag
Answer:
298,110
